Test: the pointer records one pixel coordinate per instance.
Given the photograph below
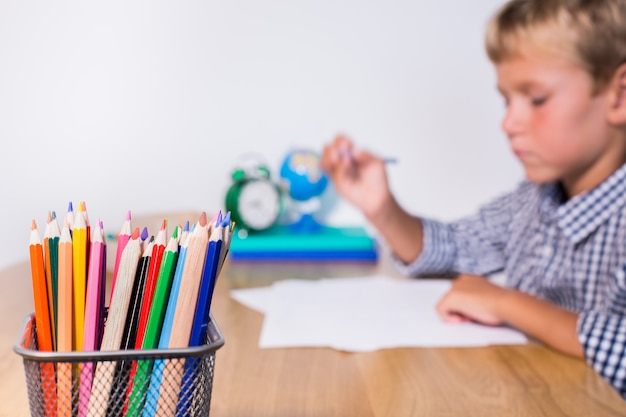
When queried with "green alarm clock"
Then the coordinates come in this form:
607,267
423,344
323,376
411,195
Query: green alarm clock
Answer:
253,199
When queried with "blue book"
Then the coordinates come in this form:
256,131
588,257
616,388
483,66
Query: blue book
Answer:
282,243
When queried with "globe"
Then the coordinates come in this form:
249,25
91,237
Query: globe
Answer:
302,175
305,181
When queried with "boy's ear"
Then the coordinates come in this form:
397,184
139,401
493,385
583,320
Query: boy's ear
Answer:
617,97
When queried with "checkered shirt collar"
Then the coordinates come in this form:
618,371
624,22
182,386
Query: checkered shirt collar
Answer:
584,213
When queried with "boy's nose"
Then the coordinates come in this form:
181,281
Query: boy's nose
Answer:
512,122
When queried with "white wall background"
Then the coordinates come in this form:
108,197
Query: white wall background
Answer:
147,106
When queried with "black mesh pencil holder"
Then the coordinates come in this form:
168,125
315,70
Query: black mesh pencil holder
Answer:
133,383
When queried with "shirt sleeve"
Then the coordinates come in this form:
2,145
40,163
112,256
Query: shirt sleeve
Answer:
473,245
603,338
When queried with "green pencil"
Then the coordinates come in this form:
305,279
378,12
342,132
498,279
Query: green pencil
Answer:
153,327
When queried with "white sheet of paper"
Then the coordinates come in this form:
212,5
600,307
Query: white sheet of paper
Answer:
363,314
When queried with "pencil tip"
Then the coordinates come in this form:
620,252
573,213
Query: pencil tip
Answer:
202,219
136,233
215,217
186,229
164,224
70,208
128,215
49,219
175,234
54,215
144,233
33,225
226,219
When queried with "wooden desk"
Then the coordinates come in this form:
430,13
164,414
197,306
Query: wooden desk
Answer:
528,380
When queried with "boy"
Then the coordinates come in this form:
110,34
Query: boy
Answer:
561,235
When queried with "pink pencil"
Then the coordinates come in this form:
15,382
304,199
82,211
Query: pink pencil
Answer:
122,240
93,310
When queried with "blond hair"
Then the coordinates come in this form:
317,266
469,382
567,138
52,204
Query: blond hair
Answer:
590,33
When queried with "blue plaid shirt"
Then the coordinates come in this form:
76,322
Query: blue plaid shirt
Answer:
570,253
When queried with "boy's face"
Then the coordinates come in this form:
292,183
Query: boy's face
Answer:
557,128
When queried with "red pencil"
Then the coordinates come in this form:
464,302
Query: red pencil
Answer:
153,271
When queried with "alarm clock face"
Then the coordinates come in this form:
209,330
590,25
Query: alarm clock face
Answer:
259,204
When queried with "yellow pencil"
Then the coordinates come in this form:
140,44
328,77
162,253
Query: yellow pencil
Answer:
79,256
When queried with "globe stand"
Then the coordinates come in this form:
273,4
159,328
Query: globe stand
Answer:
306,224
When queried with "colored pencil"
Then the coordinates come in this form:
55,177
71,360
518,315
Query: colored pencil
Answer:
114,329
150,340
190,284
201,314
209,275
103,276
93,313
64,325
83,211
183,315
51,260
185,233
79,257
42,317
156,258
162,292
122,240
228,228
121,379
137,295
172,302
69,216
93,303
158,247
156,378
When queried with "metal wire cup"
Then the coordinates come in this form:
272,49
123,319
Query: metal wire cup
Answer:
143,384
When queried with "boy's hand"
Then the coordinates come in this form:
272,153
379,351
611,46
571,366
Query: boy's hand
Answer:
358,176
472,298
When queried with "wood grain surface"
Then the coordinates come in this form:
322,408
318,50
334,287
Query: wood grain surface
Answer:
527,380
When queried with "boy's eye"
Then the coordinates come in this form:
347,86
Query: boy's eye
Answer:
538,101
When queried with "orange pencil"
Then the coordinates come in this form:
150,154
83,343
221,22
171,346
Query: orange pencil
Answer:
40,291
42,318
64,325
